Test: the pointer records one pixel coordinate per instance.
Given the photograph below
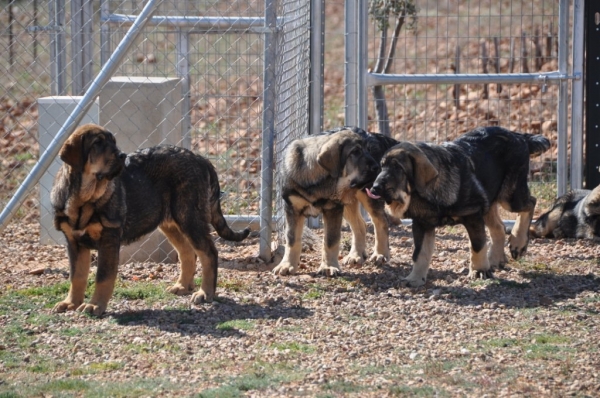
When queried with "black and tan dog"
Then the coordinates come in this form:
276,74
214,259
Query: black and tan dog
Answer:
462,182
327,173
103,198
575,214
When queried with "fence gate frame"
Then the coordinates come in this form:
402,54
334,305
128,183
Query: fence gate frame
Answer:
359,80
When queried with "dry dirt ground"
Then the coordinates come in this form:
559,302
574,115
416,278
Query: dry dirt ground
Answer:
531,331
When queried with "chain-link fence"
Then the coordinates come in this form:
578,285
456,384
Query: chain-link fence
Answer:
203,75
421,43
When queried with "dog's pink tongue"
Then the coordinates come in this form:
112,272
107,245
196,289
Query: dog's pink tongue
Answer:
370,194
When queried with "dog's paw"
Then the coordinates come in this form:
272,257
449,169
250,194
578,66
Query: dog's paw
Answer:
65,306
201,296
414,281
481,274
378,259
518,247
354,259
92,309
180,290
328,270
284,268
498,262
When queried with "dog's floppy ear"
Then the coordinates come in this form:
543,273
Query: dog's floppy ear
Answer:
330,156
72,151
424,170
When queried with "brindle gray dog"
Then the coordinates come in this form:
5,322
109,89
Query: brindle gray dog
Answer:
462,182
576,214
103,198
327,173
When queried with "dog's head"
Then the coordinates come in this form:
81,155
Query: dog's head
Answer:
346,159
592,211
93,150
404,168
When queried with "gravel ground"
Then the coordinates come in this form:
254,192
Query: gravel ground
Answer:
531,331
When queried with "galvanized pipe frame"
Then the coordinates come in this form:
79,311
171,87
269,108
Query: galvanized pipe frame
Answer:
358,79
76,116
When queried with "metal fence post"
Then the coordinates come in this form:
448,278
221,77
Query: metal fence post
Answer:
592,94
563,97
58,47
268,137
183,71
577,97
317,50
351,55
81,46
77,115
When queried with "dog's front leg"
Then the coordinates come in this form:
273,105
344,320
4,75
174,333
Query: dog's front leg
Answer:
376,209
424,239
358,253
108,262
79,263
294,224
332,220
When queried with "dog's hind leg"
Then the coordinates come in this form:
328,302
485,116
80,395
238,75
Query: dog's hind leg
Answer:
358,252
519,236
187,258
496,256
480,265
332,220
209,258
79,262
376,210
424,246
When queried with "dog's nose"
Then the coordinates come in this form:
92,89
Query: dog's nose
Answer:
122,156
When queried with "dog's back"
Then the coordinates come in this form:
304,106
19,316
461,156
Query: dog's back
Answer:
501,159
164,182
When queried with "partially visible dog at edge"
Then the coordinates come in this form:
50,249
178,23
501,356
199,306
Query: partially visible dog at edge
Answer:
462,182
326,174
575,214
103,198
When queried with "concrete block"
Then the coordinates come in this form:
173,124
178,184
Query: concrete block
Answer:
143,112
53,113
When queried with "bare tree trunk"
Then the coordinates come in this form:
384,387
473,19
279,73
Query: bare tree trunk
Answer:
384,65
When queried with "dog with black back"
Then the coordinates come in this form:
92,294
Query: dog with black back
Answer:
575,214
103,198
326,174
462,182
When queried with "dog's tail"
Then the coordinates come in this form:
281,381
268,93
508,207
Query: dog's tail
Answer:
537,144
218,220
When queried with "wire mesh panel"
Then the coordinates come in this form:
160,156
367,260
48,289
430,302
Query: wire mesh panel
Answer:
466,37
194,78
293,64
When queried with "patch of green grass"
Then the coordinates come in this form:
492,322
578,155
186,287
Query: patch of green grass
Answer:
231,285
105,366
314,292
342,387
418,391
239,324
294,347
501,342
258,378
147,291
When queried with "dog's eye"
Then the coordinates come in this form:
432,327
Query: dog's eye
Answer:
355,152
